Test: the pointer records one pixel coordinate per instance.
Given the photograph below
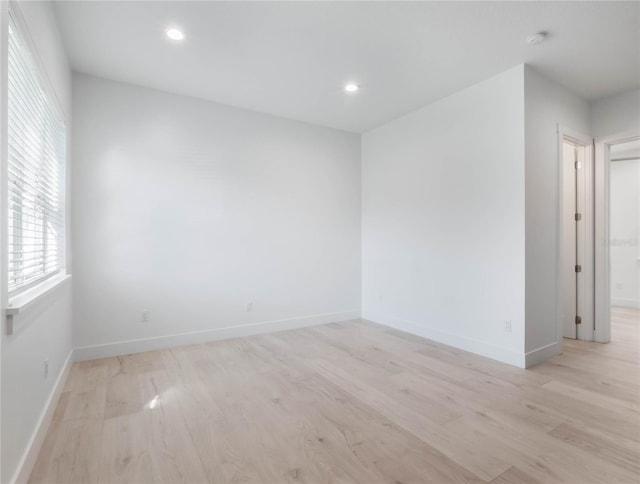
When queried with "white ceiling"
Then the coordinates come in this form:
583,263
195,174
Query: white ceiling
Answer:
293,58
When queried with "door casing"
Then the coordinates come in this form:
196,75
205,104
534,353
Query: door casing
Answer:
602,263
585,331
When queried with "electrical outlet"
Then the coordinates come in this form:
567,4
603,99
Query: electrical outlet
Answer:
144,316
249,306
507,326
46,368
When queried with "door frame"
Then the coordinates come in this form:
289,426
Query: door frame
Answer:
602,222
586,293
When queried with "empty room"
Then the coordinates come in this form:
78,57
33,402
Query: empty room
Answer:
319,241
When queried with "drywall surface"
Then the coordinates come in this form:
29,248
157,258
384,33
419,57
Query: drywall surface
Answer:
216,220
611,116
443,207
616,114
547,106
624,234
44,332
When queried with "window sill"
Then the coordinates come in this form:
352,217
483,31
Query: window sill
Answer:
23,302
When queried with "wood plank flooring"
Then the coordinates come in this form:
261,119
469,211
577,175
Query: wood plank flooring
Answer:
349,402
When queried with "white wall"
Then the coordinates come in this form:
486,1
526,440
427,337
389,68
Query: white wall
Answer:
547,105
624,233
443,220
620,114
45,330
191,209
616,114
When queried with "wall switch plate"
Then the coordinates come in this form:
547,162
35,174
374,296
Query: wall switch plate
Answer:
507,326
249,307
144,316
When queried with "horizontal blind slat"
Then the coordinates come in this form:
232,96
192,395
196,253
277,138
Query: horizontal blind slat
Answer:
36,152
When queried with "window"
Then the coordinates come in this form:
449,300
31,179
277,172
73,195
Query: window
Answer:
36,154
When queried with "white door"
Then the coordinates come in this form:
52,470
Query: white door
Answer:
577,239
569,279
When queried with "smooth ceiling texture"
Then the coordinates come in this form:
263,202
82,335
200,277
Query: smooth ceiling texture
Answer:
293,58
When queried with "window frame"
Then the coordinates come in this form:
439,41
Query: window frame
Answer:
15,17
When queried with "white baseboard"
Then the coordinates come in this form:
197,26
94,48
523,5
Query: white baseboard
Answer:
160,342
541,354
28,460
625,302
498,353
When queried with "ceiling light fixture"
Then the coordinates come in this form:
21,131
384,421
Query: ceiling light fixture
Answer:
351,87
537,38
175,34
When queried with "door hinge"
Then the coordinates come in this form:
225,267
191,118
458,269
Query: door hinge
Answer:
578,217
578,165
578,320
578,268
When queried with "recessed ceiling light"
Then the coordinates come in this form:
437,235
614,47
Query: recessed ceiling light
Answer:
175,34
537,38
351,87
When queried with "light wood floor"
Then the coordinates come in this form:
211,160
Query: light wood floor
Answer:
349,402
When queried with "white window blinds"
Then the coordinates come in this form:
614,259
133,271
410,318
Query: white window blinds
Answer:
36,148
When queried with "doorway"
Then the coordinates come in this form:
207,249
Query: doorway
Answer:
617,230
624,255
576,237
